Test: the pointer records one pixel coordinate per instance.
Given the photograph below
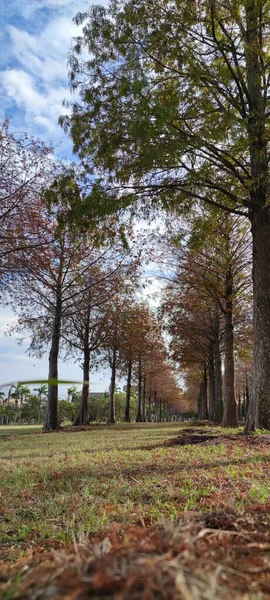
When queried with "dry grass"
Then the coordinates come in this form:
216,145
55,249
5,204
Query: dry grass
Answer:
215,557
59,487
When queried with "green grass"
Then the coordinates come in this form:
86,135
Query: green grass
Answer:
17,430
55,485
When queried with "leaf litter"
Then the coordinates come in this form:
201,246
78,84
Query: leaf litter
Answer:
217,556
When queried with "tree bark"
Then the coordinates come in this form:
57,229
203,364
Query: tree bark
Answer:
202,398
199,401
247,396
139,405
218,414
230,408
51,418
143,399
111,418
240,407
127,405
156,404
82,417
259,405
211,378
149,404
205,407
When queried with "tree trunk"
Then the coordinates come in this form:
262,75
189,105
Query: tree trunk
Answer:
139,406
212,387
82,417
149,412
259,405
143,399
218,414
205,407
202,398
51,419
111,418
127,405
156,406
247,395
160,410
230,407
199,401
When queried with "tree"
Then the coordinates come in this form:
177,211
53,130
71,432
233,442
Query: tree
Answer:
174,106
135,327
26,168
111,348
213,261
88,327
188,320
73,394
33,409
66,411
46,294
42,391
85,329
20,392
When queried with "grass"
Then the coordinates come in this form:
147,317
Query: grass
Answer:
54,486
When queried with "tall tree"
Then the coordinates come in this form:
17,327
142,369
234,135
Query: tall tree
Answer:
214,261
45,295
85,328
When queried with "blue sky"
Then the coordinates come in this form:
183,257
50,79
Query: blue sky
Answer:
36,36
35,40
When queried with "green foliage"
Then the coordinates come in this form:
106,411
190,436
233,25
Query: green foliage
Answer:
45,382
99,407
33,409
163,103
66,411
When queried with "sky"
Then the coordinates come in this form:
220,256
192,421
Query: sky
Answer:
35,38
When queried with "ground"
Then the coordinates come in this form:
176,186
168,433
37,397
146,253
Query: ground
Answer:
132,484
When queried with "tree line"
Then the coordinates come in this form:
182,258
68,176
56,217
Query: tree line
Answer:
173,110
76,292
172,114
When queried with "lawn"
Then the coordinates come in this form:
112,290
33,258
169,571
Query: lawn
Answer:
57,486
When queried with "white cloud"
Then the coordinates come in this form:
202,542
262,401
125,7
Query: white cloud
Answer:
28,8
41,108
37,83
44,55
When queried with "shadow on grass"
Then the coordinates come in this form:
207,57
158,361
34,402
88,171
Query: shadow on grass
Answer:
74,474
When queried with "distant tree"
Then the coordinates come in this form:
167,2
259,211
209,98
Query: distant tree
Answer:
42,391
87,327
66,411
73,393
19,392
213,265
33,409
99,407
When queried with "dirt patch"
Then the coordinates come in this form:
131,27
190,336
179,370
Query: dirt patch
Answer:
219,555
193,437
